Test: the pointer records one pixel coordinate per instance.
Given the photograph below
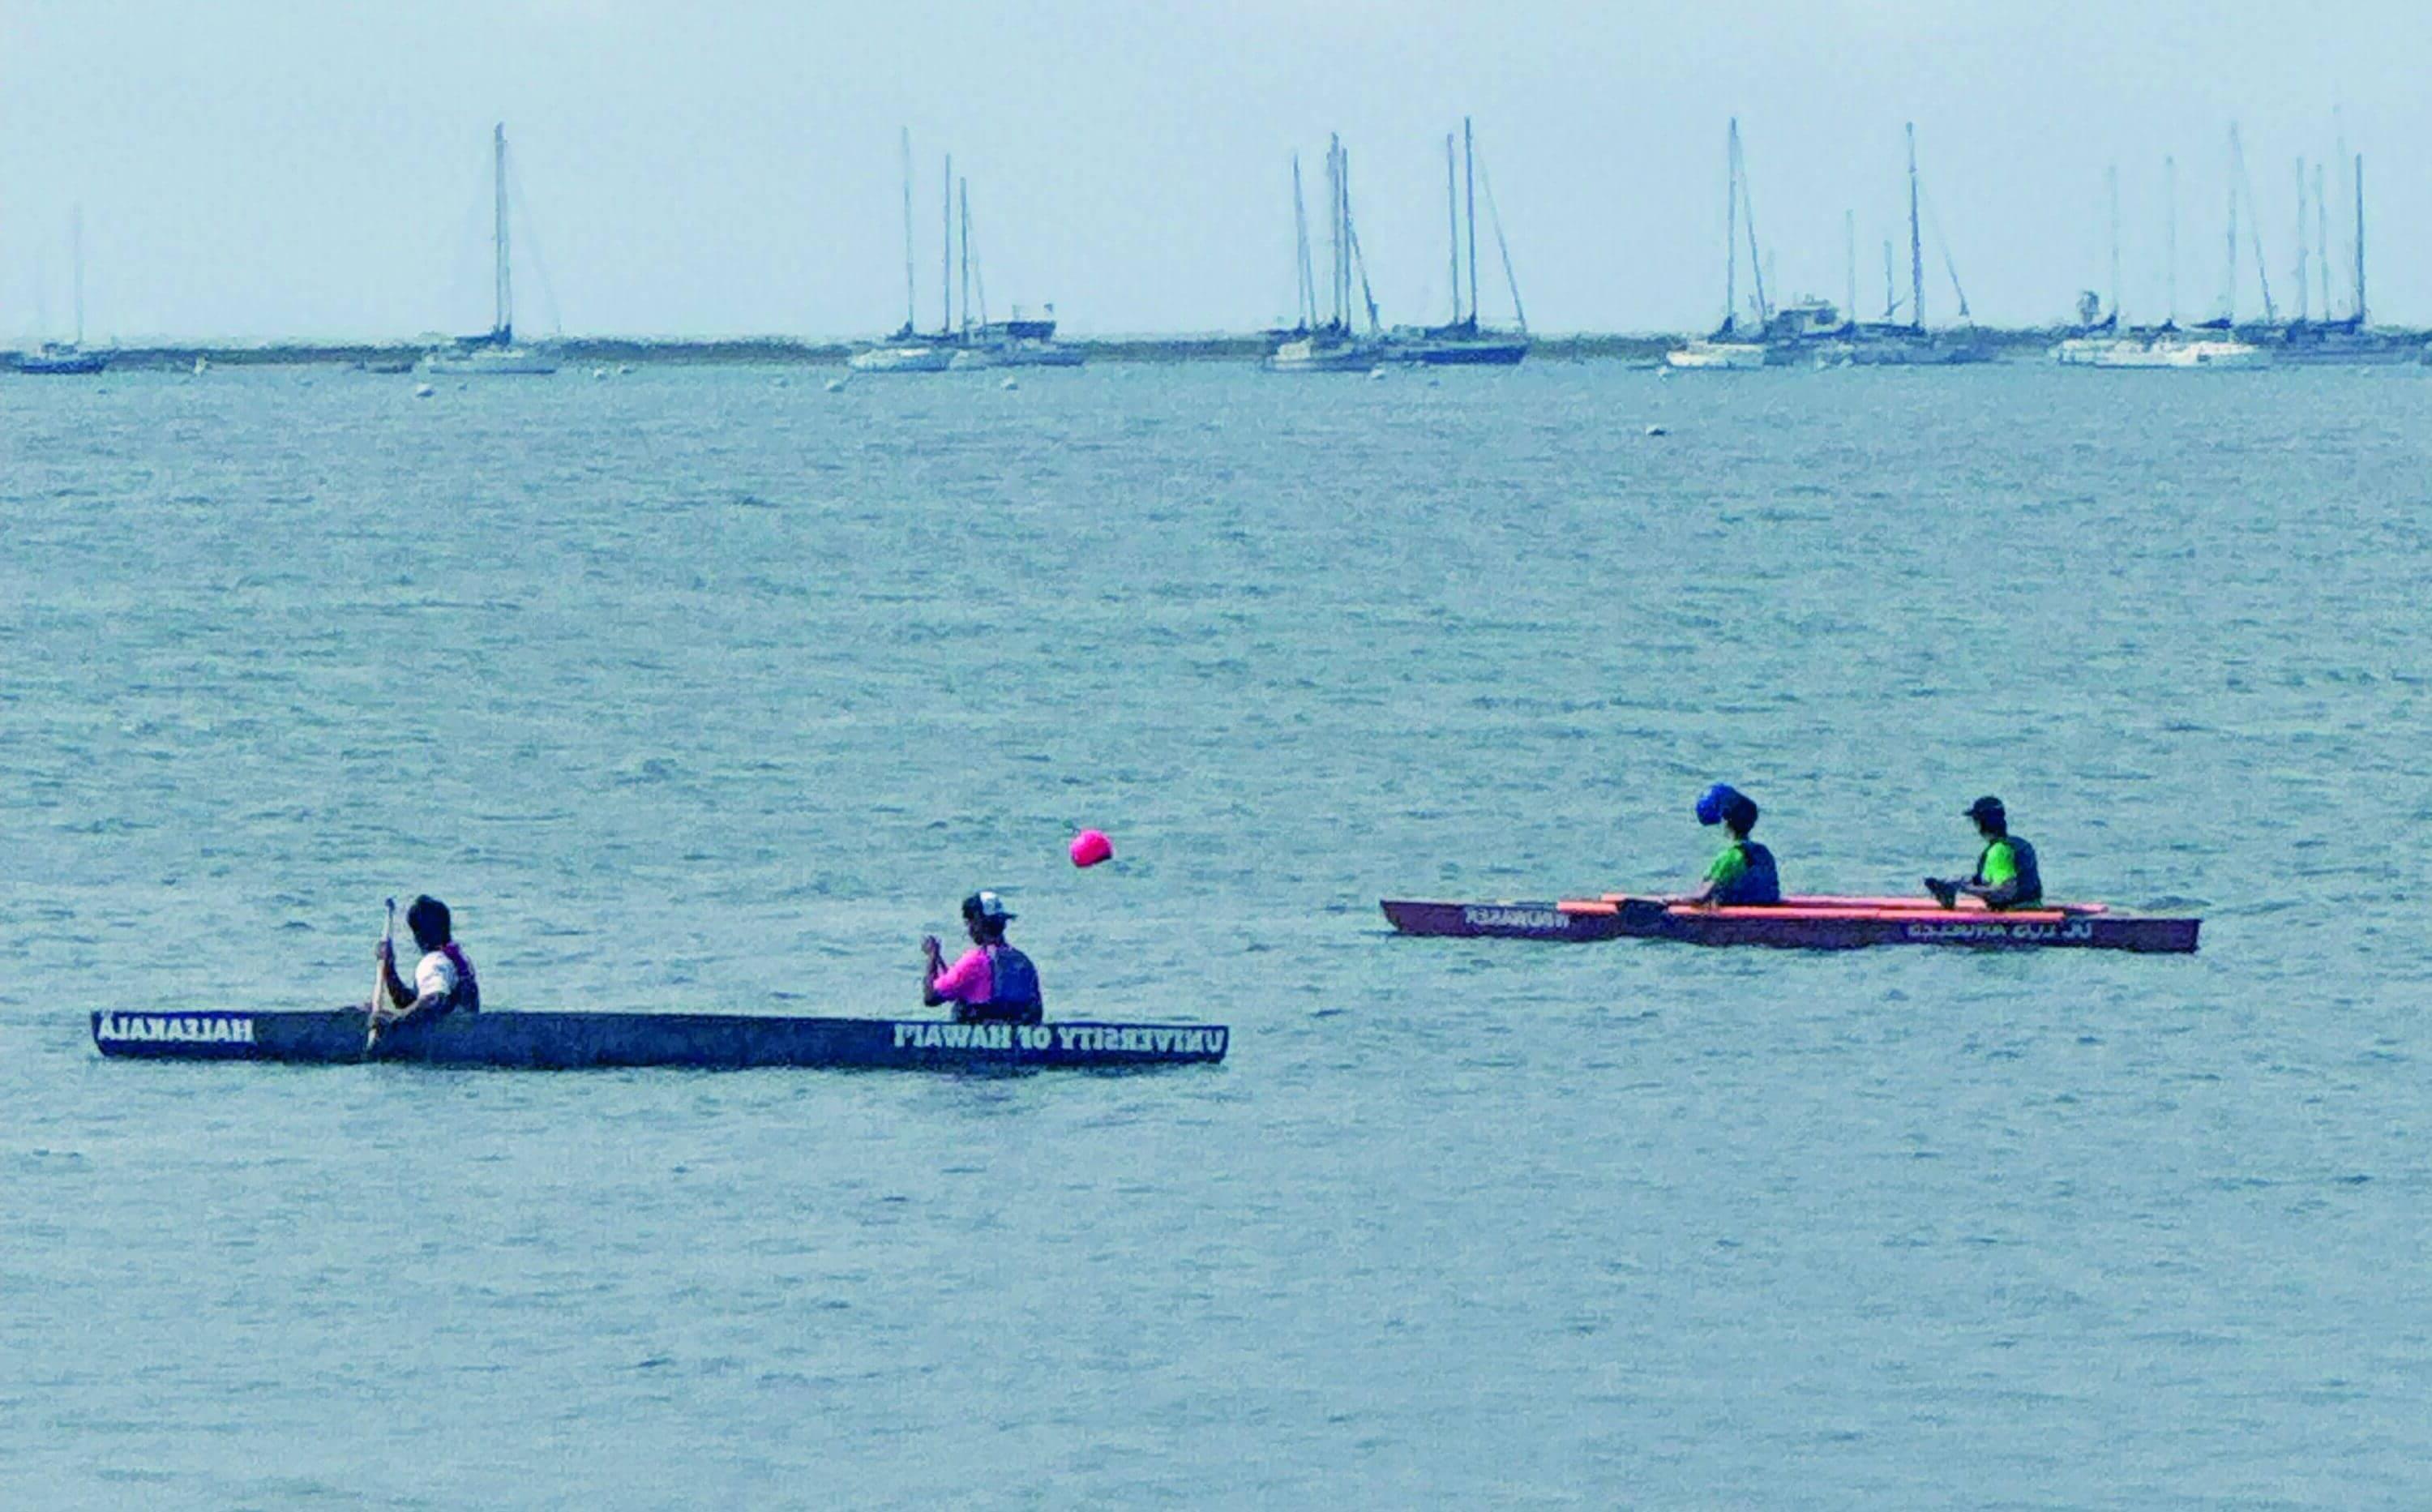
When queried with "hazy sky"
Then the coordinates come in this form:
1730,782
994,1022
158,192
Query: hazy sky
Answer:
250,168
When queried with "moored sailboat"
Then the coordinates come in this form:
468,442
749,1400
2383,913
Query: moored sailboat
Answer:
1890,342
68,359
495,354
1331,346
1731,348
1463,341
2213,346
1019,342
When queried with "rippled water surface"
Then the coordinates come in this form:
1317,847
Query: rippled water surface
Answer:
693,689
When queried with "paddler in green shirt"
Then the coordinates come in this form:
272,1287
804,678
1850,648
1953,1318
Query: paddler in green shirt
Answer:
1743,872
2005,876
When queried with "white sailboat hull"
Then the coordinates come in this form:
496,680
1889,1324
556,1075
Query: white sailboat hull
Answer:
1310,354
908,359
2159,352
511,361
1041,354
1717,355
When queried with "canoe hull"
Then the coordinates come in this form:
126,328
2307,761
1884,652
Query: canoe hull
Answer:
1814,929
566,1042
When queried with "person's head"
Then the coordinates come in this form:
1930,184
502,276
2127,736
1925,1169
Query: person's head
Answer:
1711,803
985,915
1991,822
1739,815
428,918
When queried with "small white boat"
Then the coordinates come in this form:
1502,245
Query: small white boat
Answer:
1325,352
901,357
1029,352
1732,355
490,361
2169,348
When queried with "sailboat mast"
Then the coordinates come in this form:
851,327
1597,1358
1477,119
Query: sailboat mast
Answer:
1452,220
946,254
2305,277
2111,181
2339,133
2322,240
1469,175
503,323
2359,239
1756,268
1850,261
75,250
2170,237
1915,242
2245,188
965,189
1342,235
1334,232
908,314
1503,250
2229,290
1300,242
1731,229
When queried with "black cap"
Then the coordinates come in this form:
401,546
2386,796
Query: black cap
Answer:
1987,806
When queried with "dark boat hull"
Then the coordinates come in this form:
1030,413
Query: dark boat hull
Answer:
84,365
566,1042
1793,928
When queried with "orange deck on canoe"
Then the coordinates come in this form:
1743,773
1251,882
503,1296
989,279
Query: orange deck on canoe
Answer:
1835,900
1833,908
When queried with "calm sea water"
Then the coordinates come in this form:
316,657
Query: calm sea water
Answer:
702,690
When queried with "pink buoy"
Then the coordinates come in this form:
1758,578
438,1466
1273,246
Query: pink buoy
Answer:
1091,846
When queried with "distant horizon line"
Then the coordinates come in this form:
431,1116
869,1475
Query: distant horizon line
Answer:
207,346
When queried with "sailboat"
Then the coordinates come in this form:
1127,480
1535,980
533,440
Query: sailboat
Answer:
1730,347
1889,342
2346,340
1463,341
1333,347
905,352
495,354
1022,341
67,359
2210,346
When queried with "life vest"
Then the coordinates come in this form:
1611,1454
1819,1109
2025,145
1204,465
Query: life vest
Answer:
1013,990
1760,883
467,997
2031,881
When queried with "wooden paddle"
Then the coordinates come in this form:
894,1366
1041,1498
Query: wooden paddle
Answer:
379,982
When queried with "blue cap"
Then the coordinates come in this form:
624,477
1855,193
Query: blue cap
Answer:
1710,803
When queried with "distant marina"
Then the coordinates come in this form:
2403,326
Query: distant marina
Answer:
1341,328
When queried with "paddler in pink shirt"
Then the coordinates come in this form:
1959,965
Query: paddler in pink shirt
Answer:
992,982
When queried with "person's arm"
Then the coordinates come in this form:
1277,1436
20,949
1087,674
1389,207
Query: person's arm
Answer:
936,965
404,1005
1724,870
394,989
1997,878
967,980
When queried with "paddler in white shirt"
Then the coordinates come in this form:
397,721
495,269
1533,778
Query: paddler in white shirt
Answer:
443,979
